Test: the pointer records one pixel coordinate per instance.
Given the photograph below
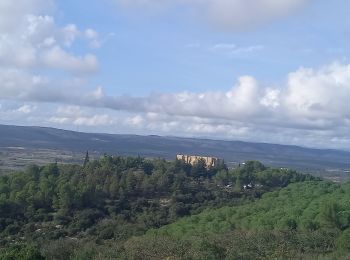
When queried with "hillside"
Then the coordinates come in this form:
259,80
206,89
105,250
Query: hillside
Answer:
20,145
307,220
134,208
59,209
299,206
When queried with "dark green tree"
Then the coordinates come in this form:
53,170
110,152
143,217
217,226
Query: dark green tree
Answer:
87,159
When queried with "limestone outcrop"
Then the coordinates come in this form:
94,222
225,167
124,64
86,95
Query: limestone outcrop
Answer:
193,159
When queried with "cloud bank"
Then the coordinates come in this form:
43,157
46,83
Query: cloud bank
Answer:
43,81
309,99
309,108
33,45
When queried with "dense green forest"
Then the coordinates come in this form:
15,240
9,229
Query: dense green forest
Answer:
133,208
304,220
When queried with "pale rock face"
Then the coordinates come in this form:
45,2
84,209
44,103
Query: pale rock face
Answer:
193,159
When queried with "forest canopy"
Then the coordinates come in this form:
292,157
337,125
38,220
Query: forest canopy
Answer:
132,208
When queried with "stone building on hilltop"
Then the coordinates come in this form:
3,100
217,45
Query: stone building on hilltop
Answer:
193,159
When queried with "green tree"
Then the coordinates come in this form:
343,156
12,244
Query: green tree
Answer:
87,159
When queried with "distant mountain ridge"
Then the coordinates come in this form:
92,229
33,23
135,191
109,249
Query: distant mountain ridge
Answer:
167,147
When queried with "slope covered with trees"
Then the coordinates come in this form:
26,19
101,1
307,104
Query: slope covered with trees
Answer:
95,210
304,220
22,144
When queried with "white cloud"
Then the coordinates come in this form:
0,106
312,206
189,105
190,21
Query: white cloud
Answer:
13,13
309,99
310,107
18,84
93,37
271,98
237,14
234,50
224,46
38,64
30,39
135,121
227,14
95,120
70,33
58,58
59,120
38,28
248,49
320,93
75,115
26,109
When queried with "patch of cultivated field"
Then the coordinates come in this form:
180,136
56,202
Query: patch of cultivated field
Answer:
17,158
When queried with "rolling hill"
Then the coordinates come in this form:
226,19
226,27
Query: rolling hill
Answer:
31,143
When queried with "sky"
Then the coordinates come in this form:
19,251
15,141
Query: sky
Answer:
252,70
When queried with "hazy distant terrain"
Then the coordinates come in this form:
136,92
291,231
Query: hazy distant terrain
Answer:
20,146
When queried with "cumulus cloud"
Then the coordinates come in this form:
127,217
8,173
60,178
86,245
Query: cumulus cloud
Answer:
309,108
26,109
38,63
227,14
75,115
31,40
93,37
13,13
320,93
135,121
58,58
309,99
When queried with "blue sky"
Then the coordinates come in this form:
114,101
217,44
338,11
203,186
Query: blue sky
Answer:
257,70
171,52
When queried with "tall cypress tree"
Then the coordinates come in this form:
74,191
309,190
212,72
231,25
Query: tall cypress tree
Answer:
87,159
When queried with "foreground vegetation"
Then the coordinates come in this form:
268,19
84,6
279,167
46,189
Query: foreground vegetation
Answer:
132,208
304,220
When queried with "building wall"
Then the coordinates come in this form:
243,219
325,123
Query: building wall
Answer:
193,159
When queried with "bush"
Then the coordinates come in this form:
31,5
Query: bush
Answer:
24,252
